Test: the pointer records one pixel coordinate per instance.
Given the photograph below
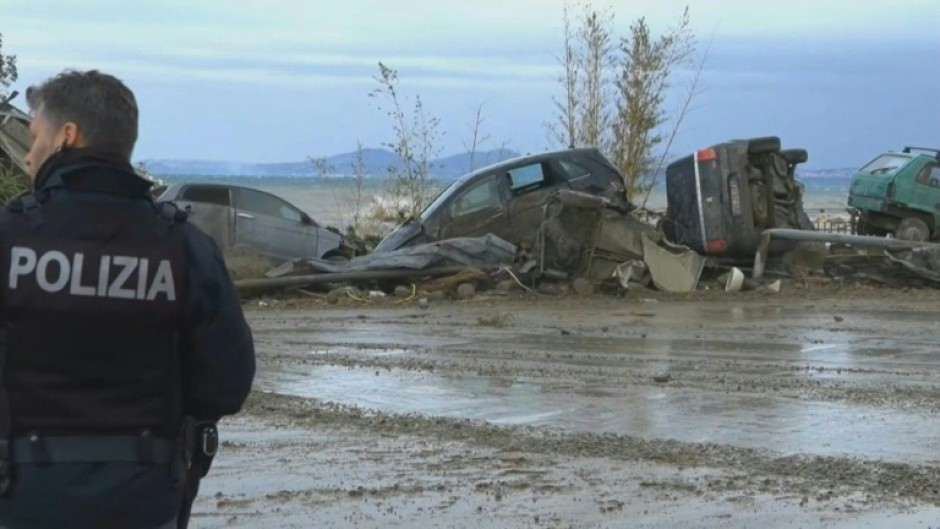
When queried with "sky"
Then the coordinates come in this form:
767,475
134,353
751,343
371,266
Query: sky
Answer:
279,80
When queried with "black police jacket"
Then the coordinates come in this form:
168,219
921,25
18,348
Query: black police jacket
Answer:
119,315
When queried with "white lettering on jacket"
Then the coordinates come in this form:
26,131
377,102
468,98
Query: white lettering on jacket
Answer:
119,276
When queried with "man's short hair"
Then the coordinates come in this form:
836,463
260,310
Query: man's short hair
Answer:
102,107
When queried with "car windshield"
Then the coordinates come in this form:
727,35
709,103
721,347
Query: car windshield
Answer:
436,203
885,165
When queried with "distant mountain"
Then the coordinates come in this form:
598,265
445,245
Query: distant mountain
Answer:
376,162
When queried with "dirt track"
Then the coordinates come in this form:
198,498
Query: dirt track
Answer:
816,408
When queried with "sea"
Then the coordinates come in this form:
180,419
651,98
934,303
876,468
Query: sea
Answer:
331,200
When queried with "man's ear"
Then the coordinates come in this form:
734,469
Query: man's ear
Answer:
69,135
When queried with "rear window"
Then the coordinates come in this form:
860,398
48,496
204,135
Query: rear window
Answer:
886,165
573,170
207,195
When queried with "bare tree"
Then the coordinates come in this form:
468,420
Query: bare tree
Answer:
615,93
360,172
647,65
325,171
416,144
477,137
588,63
502,151
599,61
685,106
8,72
564,129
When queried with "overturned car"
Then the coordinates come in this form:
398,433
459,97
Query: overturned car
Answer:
506,199
721,198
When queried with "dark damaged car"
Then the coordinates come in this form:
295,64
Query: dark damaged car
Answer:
721,198
505,199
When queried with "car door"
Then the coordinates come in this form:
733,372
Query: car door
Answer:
209,207
477,210
273,226
529,186
928,186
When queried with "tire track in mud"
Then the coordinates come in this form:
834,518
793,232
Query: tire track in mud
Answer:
743,469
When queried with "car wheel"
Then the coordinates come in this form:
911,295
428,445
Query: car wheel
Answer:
795,156
764,145
912,229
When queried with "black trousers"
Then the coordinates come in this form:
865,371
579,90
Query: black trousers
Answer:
91,496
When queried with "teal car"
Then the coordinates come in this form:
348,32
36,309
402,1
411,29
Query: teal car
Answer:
898,194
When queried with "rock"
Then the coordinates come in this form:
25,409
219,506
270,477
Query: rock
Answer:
662,379
466,291
437,295
839,319
424,303
582,286
401,291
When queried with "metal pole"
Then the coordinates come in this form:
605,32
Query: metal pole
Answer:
341,277
760,258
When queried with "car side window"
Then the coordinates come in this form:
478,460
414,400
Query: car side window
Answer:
527,176
207,195
265,204
930,175
480,196
573,170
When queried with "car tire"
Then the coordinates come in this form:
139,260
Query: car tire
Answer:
912,229
795,156
763,145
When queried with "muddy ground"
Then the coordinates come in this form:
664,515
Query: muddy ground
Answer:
814,408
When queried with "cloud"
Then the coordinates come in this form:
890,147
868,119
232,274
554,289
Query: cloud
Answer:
193,62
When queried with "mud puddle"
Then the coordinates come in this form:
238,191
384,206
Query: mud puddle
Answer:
784,425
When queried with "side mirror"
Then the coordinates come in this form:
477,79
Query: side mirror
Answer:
305,219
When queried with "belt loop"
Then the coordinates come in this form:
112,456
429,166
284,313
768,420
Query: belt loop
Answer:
40,451
145,448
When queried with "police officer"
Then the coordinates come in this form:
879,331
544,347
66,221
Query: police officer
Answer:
122,338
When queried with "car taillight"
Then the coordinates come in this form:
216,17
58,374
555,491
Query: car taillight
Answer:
716,246
707,155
